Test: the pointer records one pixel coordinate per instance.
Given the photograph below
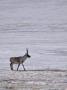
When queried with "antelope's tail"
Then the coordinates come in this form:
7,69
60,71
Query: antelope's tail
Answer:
10,59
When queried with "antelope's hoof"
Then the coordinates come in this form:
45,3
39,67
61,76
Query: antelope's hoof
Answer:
12,69
24,69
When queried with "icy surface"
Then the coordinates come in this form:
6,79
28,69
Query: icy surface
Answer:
40,26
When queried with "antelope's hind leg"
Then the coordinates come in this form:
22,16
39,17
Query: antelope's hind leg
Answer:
18,66
11,66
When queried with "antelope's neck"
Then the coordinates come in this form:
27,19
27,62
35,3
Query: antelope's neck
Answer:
24,57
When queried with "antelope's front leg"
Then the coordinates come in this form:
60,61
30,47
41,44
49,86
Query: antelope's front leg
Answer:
23,67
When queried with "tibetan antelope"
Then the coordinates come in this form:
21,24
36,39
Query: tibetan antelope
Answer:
19,60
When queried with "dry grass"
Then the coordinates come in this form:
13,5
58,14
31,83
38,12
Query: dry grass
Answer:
33,80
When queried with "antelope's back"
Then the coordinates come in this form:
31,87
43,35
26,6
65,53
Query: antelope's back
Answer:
15,60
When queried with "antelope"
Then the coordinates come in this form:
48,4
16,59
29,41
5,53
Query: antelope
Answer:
19,60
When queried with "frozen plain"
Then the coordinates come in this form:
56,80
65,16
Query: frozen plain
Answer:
40,26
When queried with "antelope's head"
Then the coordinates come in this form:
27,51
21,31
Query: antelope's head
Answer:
28,54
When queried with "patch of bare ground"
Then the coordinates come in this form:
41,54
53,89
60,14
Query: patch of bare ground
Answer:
33,80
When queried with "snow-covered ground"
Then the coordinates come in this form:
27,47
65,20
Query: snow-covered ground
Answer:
40,26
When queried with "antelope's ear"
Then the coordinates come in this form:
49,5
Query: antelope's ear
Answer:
27,50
